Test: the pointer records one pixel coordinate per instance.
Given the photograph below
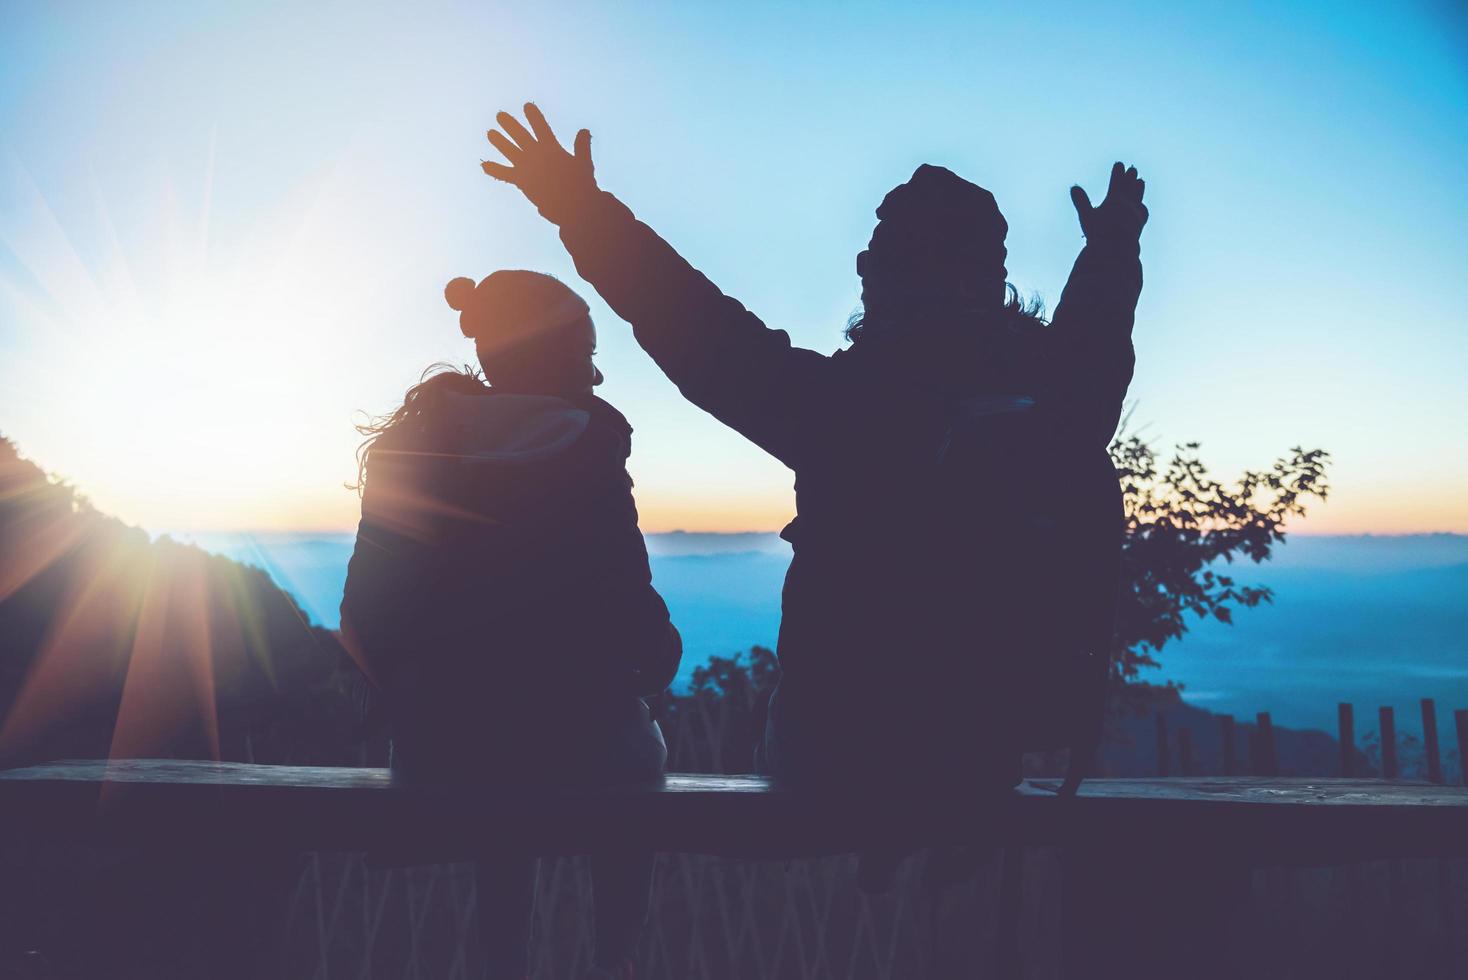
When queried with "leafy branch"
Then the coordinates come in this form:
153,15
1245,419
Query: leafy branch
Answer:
1180,523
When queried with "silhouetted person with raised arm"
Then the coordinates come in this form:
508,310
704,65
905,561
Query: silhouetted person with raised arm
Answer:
959,520
500,596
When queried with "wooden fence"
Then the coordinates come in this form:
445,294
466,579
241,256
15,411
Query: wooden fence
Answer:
1175,752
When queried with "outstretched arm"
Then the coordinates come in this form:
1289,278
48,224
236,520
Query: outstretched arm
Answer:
1092,326
721,357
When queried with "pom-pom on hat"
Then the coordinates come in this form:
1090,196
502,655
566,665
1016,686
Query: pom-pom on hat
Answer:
513,303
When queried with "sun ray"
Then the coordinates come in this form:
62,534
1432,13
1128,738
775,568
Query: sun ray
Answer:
125,283
168,697
249,621
207,205
40,243
37,541
85,649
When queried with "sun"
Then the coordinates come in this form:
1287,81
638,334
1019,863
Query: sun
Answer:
185,380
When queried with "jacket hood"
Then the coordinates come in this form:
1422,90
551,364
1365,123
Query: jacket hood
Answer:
510,429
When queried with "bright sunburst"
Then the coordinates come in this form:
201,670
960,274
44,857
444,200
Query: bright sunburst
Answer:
186,362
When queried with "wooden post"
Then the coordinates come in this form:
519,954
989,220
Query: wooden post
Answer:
1388,728
1228,745
1346,715
1185,751
1161,744
1268,761
1429,741
1461,717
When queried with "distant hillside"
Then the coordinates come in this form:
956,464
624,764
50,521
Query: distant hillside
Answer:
1369,619
112,644
1371,552
672,544
1372,620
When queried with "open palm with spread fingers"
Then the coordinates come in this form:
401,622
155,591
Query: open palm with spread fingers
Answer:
553,179
1122,214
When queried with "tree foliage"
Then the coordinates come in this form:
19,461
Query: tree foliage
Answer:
717,723
1184,529
112,644
742,677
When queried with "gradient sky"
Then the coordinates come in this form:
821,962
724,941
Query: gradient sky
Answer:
224,230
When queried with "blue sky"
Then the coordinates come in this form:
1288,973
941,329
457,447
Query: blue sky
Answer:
223,230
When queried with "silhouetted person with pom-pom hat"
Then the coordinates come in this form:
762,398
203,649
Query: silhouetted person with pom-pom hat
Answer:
500,596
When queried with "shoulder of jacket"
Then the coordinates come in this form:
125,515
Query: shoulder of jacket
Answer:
604,412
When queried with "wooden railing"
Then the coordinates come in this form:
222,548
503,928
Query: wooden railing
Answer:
1263,757
1364,913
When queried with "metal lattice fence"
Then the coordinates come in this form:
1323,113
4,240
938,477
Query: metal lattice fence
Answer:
716,918
711,918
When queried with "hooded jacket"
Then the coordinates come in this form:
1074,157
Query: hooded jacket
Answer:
499,595
898,608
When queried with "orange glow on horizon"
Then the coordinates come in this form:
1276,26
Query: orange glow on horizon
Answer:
661,517
336,511
1383,514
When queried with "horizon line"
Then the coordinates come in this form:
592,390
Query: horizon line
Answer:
776,531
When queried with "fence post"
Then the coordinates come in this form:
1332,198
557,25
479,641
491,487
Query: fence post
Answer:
1161,744
1461,717
1388,727
1429,741
1228,745
1185,750
1346,715
1268,763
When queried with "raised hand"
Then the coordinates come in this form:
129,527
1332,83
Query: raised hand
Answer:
555,181
1122,214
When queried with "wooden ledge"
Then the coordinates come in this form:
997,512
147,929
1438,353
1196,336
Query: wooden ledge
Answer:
178,804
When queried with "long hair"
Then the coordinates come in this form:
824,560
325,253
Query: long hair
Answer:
1018,314
436,381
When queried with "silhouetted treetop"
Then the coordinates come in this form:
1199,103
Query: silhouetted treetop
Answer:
115,645
1180,523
